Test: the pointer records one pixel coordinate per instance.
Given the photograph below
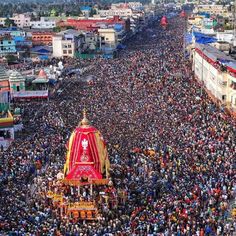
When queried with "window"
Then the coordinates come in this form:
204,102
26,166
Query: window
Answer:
64,51
223,97
69,51
69,46
17,88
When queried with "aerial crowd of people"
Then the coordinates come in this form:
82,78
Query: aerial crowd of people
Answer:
171,148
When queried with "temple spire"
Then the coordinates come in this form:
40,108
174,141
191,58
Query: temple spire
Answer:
84,121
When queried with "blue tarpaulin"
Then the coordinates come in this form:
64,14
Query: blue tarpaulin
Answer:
205,14
85,8
203,38
118,27
188,38
43,57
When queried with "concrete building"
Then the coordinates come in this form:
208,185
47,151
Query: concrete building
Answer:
213,10
123,12
93,24
6,118
44,23
22,20
66,43
34,88
108,36
196,20
226,36
7,45
42,38
217,73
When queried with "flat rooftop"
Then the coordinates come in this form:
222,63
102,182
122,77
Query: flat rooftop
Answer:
217,55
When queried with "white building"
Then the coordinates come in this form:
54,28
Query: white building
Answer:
21,20
2,21
66,43
123,12
225,36
44,23
132,5
217,72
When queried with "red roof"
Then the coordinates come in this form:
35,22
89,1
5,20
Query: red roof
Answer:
42,74
86,154
87,24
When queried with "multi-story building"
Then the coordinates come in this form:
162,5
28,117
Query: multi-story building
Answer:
66,43
22,20
43,23
42,38
213,10
123,12
217,72
7,45
108,37
36,88
93,24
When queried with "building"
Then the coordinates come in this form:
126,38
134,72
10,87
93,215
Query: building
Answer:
108,36
226,36
4,90
132,5
123,12
7,45
43,23
195,20
93,24
66,43
42,38
222,46
6,119
22,20
2,21
217,73
213,10
17,82
31,88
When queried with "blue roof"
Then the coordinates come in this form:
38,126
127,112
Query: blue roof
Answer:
118,27
203,38
19,38
85,8
42,49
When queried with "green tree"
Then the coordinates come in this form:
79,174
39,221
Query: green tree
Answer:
57,29
8,22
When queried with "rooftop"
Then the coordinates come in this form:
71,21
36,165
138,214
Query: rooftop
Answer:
3,75
217,55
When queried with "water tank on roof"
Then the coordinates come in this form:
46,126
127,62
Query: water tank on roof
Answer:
118,27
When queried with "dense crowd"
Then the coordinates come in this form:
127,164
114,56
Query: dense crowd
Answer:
171,149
